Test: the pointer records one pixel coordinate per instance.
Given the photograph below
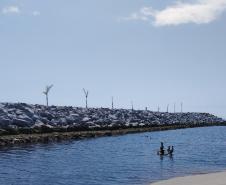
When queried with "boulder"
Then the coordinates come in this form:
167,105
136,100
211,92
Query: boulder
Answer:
21,122
5,122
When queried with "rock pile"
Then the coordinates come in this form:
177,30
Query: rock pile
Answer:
15,116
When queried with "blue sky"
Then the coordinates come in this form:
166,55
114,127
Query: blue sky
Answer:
150,52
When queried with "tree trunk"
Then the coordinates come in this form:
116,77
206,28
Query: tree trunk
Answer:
86,103
47,101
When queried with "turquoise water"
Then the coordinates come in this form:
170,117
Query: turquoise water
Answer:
121,160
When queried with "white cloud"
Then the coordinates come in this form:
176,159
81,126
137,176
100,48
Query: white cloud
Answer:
200,12
11,10
135,16
35,13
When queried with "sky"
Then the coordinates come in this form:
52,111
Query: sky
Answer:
150,52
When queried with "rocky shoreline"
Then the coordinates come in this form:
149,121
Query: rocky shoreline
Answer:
25,123
22,139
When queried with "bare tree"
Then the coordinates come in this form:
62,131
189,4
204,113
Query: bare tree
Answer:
86,92
46,93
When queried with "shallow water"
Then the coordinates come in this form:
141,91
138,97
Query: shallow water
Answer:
121,160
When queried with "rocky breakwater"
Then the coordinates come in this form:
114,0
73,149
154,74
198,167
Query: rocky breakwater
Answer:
21,118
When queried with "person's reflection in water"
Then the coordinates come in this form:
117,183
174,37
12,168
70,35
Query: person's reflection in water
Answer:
171,157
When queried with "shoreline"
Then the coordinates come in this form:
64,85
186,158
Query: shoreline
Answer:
22,139
216,178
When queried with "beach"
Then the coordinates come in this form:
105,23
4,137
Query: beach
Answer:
203,179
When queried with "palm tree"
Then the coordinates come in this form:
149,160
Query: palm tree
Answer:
86,92
46,93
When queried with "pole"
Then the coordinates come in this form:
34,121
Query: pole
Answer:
112,102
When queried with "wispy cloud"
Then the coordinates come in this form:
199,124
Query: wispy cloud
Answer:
35,13
16,10
199,12
11,10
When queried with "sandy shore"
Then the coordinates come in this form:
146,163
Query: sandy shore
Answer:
205,179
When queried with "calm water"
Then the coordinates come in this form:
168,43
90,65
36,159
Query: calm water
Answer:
122,160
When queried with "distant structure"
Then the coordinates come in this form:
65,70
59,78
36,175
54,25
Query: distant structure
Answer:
181,107
174,108
86,93
167,109
112,102
46,93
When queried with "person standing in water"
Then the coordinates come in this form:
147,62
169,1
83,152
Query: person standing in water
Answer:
168,150
161,150
172,150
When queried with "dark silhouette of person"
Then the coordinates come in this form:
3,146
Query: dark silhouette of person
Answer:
172,150
168,150
161,150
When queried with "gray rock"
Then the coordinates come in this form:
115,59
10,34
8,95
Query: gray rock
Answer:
21,122
25,115
5,122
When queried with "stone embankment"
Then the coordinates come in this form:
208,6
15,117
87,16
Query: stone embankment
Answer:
21,118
